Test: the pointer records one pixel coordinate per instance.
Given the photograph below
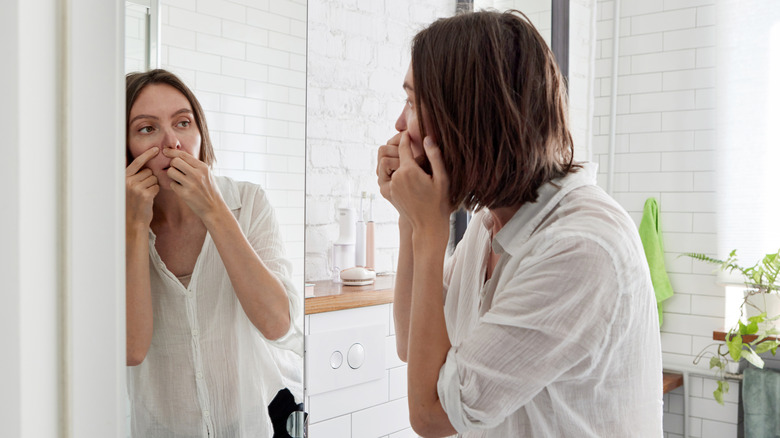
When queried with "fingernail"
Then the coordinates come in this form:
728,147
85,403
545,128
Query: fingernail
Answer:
428,142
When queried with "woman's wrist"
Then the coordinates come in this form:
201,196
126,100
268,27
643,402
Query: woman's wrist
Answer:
219,216
430,240
136,230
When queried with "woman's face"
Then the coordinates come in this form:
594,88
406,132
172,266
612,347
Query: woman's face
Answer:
407,121
162,117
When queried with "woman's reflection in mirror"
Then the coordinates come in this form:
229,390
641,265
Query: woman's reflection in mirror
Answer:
211,312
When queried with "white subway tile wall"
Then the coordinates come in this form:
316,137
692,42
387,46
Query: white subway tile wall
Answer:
244,59
666,149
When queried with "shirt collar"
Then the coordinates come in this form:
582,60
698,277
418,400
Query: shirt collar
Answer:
519,229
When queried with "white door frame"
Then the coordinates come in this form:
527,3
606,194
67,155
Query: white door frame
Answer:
61,191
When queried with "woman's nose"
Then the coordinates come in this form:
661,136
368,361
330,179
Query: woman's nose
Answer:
170,140
400,124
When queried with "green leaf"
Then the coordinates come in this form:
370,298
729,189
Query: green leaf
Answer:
749,329
723,388
753,358
717,362
766,346
756,319
735,346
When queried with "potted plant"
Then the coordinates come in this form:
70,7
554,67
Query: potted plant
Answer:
754,334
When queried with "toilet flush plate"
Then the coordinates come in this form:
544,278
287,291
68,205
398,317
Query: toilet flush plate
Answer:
341,358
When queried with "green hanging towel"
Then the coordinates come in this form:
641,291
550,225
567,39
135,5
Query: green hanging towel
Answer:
650,233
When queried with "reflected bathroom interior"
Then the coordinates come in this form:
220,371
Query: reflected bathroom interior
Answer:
246,67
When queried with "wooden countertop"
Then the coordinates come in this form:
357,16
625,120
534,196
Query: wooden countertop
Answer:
329,296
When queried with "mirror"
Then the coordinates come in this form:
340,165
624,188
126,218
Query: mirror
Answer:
246,65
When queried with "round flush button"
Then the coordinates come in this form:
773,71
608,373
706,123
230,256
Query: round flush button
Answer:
356,356
336,359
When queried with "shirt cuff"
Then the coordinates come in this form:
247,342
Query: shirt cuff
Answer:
448,388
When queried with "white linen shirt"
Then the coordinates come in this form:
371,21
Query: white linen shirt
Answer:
563,340
209,372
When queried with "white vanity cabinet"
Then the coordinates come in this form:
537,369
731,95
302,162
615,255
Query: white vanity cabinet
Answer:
355,382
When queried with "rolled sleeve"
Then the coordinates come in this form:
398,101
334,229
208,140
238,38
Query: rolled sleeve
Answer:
448,388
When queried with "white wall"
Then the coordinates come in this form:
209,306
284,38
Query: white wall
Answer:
665,148
246,63
359,52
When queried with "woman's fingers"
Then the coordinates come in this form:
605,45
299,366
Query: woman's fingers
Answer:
405,154
140,161
147,182
193,182
176,175
395,140
433,153
183,161
140,176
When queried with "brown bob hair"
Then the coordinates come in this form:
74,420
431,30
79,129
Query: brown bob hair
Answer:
497,105
137,81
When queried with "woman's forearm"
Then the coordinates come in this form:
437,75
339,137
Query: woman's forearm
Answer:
138,295
261,294
402,290
428,339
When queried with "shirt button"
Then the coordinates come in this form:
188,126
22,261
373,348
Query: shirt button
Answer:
199,376
206,413
195,333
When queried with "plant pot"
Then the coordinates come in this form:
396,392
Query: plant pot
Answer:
763,302
734,367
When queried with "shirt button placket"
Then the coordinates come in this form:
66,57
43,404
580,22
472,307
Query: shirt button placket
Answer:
200,386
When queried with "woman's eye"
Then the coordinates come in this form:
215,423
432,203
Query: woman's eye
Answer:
409,102
145,129
183,124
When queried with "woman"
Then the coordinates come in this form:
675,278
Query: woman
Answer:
209,299
545,324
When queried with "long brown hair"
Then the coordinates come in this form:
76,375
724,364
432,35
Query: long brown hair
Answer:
497,105
136,82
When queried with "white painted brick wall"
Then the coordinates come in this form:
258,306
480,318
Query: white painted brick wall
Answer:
243,59
359,52
358,55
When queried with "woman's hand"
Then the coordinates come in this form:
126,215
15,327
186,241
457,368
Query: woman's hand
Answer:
194,183
387,163
422,198
140,189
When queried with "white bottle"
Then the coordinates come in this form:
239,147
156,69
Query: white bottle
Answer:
360,236
344,246
370,235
